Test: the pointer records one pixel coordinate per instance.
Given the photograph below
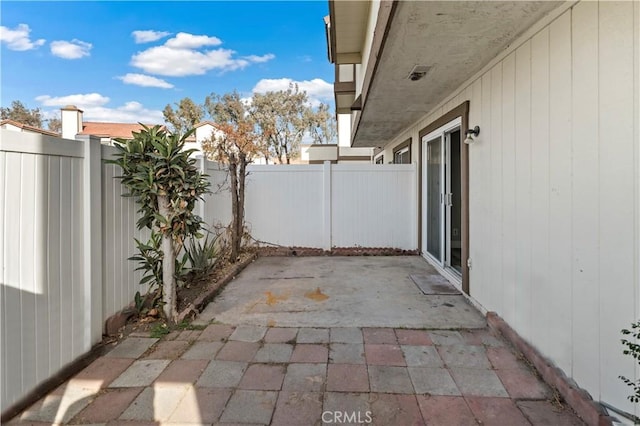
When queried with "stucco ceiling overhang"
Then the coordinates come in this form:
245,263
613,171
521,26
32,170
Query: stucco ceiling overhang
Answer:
454,38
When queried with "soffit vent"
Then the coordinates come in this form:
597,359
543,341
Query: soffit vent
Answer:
418,71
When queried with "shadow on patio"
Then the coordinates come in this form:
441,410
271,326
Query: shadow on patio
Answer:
309,341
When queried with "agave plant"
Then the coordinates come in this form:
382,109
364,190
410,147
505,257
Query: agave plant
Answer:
202,253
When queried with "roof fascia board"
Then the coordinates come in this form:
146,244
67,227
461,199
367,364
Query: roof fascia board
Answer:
383,24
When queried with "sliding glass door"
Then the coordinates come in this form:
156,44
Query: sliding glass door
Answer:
442,213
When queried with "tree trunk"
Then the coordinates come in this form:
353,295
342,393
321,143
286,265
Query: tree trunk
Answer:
233,173
241,186
169,296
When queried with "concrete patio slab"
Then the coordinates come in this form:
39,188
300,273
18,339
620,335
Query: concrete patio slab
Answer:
467,356
281,335
345,353
478,382
155,403
246,406
132,347
422,356
390,379
305,377
200,406
446,410
222,374
141,373
340,402
108,406
347,378
432,381
433,284
346,335
393,409
248,334
379,371
60,406
274,352
297,408
313,335
203,350
356,292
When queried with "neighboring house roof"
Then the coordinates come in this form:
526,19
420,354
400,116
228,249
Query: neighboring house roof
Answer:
202,123
27,128
111,130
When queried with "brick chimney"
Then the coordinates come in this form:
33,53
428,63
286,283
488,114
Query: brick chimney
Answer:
71,118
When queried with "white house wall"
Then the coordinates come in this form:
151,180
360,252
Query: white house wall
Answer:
555,189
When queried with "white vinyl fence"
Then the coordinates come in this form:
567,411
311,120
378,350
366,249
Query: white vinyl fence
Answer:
66,233
325,205
49,256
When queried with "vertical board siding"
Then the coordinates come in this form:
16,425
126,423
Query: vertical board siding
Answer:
522,162
373,206
12,336
586,194
495,195
566,275
54,264
285,205
616,116
3,311
560,195
565,179
217,205
508,166
540,276
27,263
42,254
41,271
119,215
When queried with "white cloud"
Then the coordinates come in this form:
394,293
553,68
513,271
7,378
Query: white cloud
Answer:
162,60
95,108
260,59
190,41
73,49
148,36
88,100
144,81
317,89
182,56
18,38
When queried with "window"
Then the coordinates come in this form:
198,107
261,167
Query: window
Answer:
379,159
402,153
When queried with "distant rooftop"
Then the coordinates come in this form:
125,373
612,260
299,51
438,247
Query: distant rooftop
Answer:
111,130
28,128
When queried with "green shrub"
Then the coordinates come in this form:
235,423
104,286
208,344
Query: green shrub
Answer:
202,253
632,349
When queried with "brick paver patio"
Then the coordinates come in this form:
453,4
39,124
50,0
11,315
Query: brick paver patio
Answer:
306,376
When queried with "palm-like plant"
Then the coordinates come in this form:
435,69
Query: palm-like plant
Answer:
166,183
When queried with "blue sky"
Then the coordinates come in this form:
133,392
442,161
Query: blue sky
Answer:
124,61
